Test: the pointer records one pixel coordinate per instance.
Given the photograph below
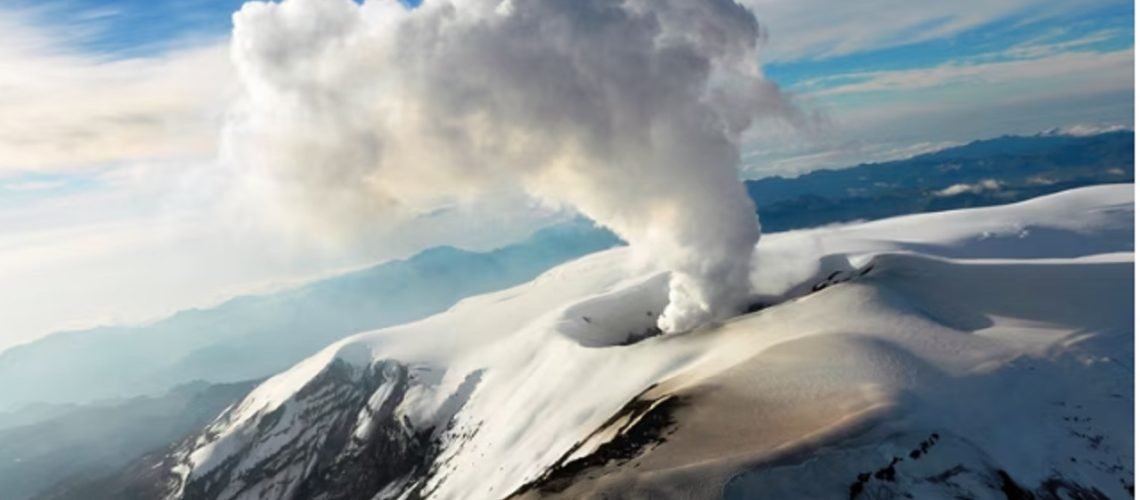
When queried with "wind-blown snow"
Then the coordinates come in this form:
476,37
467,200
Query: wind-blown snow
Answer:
951,313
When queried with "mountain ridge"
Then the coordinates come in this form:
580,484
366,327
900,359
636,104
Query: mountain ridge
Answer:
213,343
886,364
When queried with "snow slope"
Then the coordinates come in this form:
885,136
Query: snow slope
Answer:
987,349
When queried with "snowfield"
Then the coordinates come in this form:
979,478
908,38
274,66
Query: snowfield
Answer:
977,353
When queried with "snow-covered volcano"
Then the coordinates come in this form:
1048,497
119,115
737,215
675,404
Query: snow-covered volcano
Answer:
980,353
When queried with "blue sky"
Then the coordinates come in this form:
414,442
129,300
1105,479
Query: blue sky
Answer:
845,61
1103,29
113,107
125,28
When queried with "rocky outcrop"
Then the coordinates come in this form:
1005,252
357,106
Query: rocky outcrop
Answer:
339,438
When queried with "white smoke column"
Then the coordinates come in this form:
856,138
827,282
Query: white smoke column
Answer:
628,111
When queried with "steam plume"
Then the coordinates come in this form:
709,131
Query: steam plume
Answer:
630,111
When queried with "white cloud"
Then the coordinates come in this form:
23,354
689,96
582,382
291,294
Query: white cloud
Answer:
800,29
630,112
795,156
1084,72
1086,129
977,188
152,238
152,227
1045,46
876,116
26,186
65,108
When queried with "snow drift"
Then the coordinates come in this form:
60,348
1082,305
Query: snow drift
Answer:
959,354
628,111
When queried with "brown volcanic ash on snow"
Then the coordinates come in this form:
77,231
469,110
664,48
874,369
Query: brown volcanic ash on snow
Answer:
629,112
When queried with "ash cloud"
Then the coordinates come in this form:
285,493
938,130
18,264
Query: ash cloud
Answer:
629,112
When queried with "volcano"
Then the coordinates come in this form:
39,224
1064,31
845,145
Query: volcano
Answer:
982,353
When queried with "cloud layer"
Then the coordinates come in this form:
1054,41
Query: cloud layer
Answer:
807,29
65,108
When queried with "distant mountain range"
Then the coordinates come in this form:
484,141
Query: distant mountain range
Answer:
981,173
252,337
89,442
984,353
